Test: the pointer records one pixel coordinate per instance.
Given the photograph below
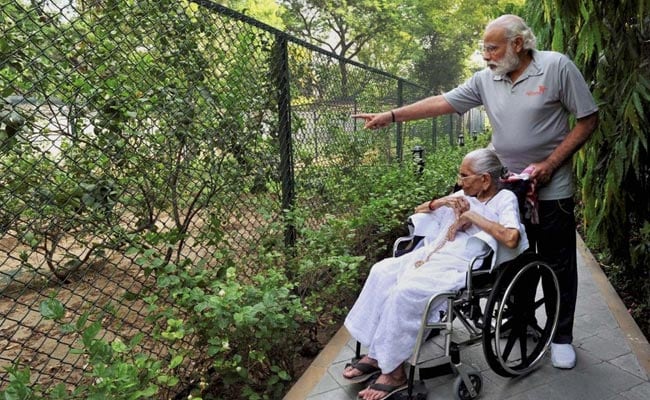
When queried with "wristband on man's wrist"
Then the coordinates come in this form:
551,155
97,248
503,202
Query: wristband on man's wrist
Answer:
392,114
431,204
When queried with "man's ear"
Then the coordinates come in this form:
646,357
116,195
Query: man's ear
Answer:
518,41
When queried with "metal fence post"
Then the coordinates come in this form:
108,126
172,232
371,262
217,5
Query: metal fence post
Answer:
451,130
400,140
434,131
281,72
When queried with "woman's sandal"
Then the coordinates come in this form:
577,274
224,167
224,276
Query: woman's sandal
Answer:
389,389
367,371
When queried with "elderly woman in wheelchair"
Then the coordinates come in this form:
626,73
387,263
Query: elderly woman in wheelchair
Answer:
479,222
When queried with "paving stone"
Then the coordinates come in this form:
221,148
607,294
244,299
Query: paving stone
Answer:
630,363
326,384
639,392
605,348
599,381
337,394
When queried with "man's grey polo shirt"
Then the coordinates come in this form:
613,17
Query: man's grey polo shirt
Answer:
530,118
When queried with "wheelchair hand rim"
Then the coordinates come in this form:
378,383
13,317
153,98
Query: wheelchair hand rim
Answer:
533,364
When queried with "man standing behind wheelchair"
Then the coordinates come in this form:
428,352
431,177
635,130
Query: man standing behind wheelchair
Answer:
386,315
529,96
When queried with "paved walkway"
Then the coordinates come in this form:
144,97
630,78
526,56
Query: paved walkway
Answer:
613,357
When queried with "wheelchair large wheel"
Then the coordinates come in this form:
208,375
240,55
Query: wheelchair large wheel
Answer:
520,316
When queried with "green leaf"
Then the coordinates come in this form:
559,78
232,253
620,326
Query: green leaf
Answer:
81,322
558,36
52,309
88,199
118,346
90,332
167,380
284,375
146,393
136,339
176,361
637,103
59,393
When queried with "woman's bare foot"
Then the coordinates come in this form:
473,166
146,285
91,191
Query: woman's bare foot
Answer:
394,381
352,371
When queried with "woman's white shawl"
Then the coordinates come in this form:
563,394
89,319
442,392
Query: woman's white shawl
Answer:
386,316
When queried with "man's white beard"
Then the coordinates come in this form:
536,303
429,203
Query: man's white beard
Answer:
509,63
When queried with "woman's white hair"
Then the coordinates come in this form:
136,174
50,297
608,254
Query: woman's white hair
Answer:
486,161
515,26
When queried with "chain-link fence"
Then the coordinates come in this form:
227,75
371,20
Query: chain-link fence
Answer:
181,129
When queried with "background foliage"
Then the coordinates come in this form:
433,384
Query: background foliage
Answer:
427,41
185,198
610,43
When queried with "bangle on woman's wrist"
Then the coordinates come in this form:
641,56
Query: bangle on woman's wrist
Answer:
392,114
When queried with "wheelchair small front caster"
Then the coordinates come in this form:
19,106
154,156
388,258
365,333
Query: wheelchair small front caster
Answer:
462,392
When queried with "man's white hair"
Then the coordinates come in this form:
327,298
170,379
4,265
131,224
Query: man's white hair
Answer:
515,26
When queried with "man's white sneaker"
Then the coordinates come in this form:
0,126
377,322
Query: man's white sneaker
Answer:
563,355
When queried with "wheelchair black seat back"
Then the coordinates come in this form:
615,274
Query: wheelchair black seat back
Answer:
511,310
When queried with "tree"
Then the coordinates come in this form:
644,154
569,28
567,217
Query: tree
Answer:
342,27
448,33
426,41
613,168
266,11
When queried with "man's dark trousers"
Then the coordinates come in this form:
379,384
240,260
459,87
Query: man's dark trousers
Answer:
555,239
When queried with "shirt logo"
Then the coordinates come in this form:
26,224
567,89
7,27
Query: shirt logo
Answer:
540,90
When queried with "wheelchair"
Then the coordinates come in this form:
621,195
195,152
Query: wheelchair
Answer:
511,309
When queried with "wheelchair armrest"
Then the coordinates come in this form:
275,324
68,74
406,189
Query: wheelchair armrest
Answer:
399,241
483,262
412,243
398,244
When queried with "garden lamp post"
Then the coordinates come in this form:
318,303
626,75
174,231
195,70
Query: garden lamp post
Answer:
418,159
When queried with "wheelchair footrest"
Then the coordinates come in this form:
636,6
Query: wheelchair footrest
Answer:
435,371
418,392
